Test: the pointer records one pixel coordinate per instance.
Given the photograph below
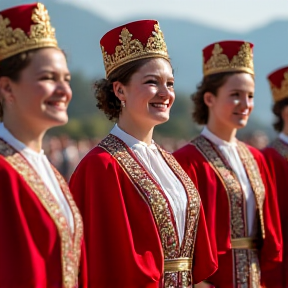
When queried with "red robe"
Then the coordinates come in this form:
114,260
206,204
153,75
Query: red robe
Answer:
128,222
37,248
276,157
217,213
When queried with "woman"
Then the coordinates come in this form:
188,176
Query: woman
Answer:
276,157
142,215
238,198
41,228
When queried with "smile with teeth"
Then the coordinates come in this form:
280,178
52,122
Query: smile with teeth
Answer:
159,105
57,104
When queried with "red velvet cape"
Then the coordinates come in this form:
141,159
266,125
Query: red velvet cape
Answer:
216,207
278,167
30,254
122,242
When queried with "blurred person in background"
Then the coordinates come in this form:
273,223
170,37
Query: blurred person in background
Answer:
40,225
232,178
276,155
143,220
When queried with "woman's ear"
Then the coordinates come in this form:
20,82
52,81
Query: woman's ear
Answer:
118,89
209,99
5,88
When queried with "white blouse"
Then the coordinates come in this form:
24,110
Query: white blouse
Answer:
42,166
153,161
230,152
283,137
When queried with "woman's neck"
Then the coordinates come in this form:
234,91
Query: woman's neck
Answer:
26,135
137,131
222,132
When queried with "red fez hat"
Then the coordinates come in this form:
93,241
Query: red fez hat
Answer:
23,28
228,56
278,81
132,41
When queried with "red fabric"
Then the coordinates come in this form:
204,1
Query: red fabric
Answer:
122,242
216,207
140,30
230,49
277,77
29,243
20,16
278,167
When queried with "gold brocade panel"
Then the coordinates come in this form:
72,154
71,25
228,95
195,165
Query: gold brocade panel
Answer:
70,243
245,261
280,147
160,208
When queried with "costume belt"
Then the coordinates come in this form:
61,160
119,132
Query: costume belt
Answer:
177,264
244,243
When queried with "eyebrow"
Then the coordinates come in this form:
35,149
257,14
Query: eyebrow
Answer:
240,90
156,76
52,72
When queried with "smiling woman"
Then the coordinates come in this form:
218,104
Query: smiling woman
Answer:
41,227
233,179
143,217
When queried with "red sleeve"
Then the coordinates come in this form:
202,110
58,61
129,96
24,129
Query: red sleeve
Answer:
21,262
271,252
121,250
205,263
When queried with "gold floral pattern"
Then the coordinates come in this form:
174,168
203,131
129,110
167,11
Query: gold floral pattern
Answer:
70,243
281,92
155,198
242,260
42,34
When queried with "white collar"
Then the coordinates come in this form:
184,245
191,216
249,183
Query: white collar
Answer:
215,139
283,137
129,140
15,143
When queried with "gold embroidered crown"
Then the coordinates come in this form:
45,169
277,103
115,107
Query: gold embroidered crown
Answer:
138,40
278,81
228,56
33,31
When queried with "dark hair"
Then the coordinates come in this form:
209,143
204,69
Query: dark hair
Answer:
12,66
277,111
210,83
104,94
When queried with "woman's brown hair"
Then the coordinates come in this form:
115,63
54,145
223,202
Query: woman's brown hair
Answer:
210,83
277,111
104,94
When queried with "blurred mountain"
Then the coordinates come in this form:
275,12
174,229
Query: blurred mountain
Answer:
79,31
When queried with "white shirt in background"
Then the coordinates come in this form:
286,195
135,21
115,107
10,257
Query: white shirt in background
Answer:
230,152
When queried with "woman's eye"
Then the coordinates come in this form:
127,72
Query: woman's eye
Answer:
46,77
236,94
251,96
151,81
170,84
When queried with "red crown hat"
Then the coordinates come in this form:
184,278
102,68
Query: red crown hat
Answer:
132,41
278,81
228,56
23,28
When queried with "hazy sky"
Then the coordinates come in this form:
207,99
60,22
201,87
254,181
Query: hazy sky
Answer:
233,15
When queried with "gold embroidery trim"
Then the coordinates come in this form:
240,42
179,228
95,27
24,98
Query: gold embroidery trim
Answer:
42,34
244,243
220,62
70,246
130,50
280,147
161,211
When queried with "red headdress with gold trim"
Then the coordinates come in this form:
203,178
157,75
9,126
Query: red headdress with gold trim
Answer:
132,41
278,81
228,56
23,28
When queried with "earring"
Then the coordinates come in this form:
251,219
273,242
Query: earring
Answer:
123,104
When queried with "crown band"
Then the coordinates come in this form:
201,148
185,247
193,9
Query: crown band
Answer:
282,92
